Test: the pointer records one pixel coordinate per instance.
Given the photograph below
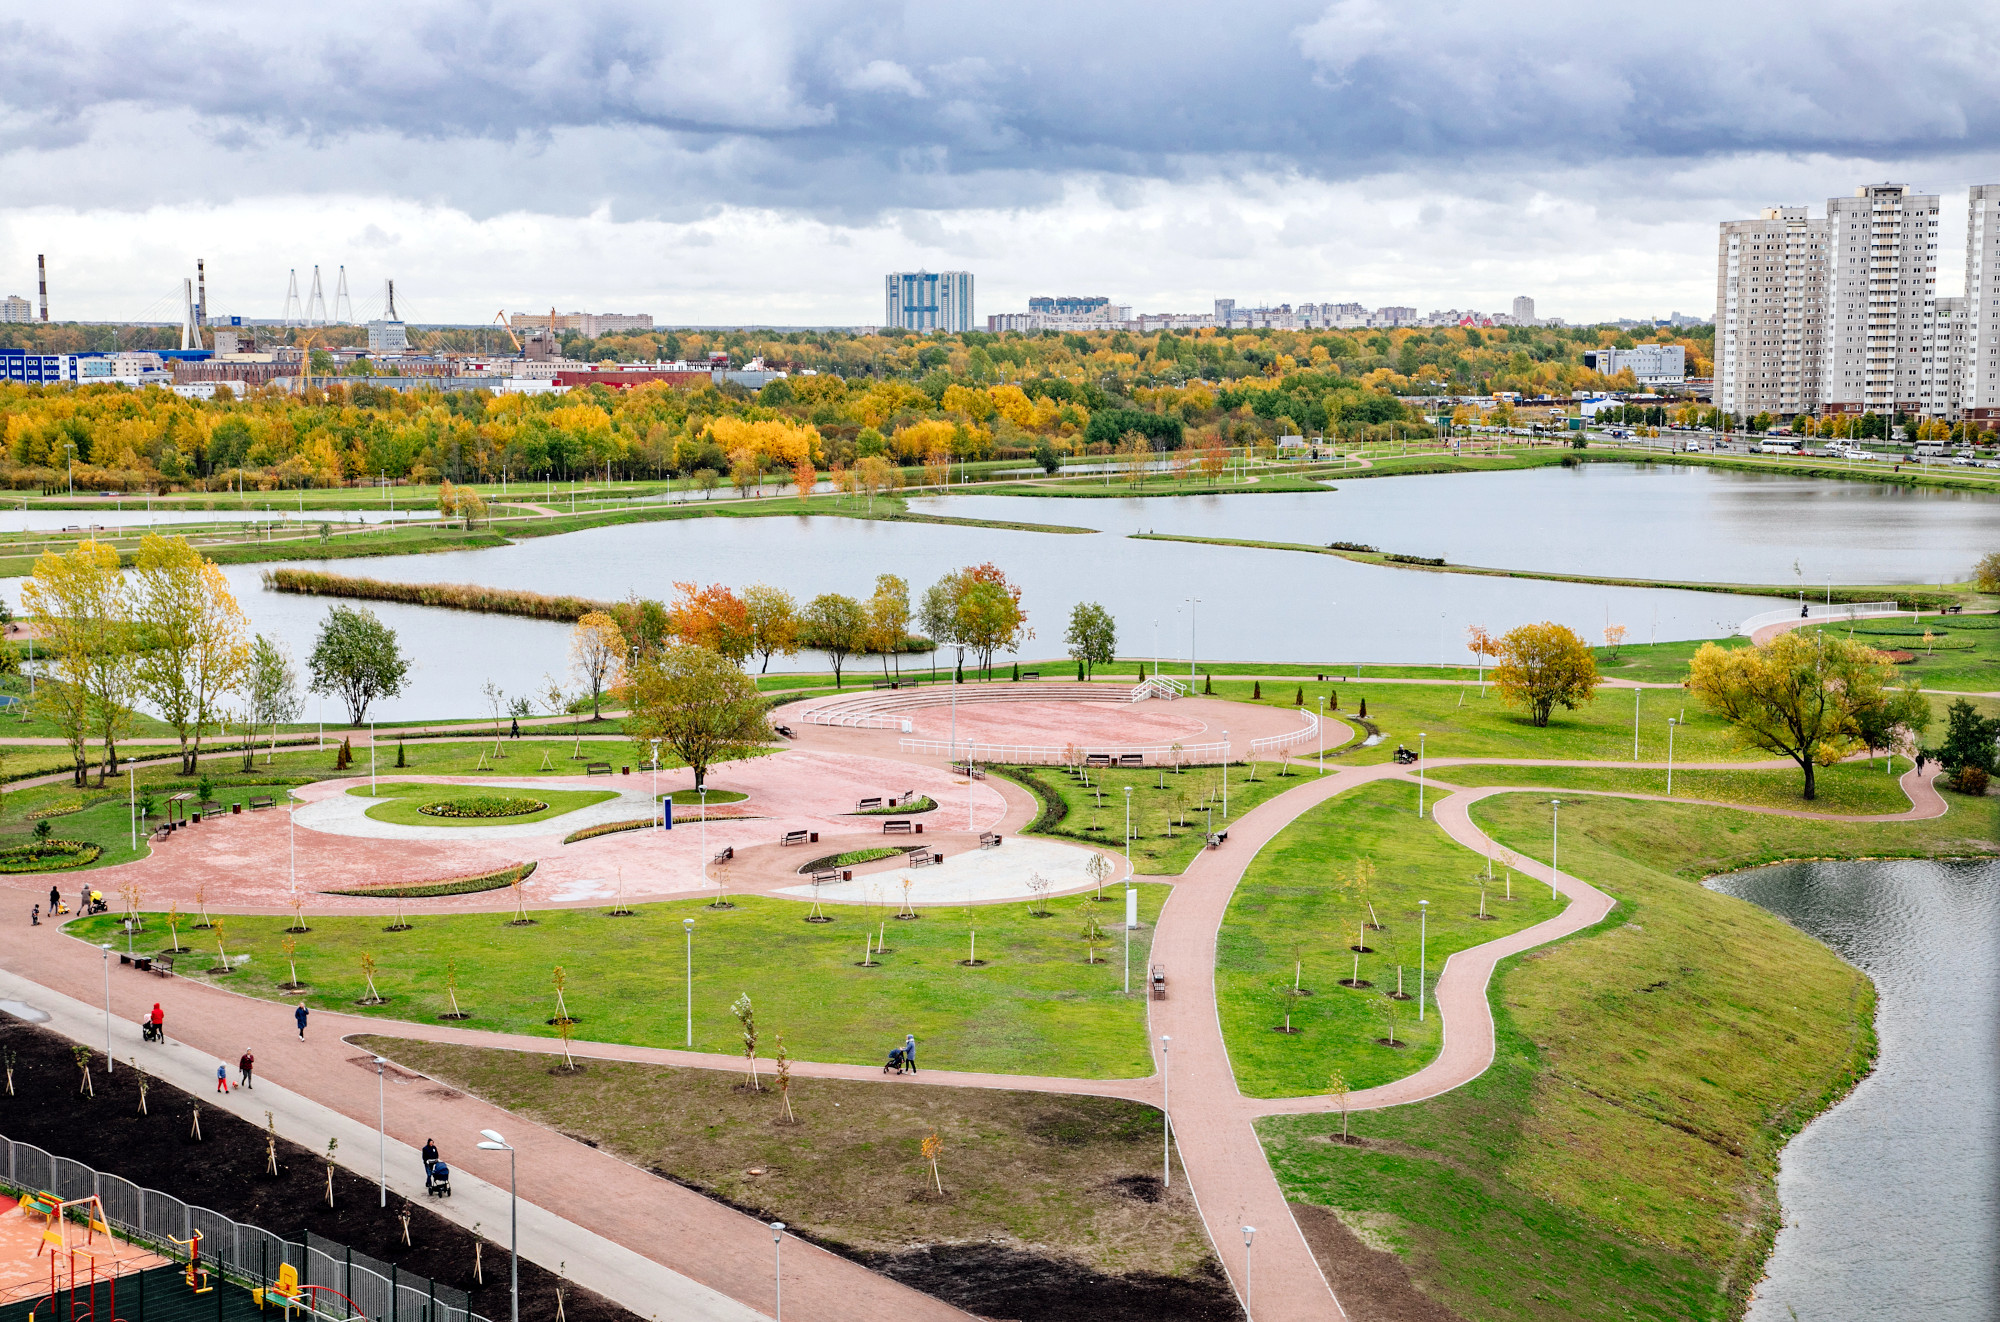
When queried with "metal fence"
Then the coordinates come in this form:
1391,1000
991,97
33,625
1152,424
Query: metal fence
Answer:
249,1255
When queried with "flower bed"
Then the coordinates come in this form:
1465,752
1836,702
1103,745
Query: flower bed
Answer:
49,856
482,805
610,828
485,881
855,857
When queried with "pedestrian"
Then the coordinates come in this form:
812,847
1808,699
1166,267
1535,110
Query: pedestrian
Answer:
246,1066
55,898
910,1052
300,1015
158,1019
1921,759
430,1157
35,917
83,900
222,1079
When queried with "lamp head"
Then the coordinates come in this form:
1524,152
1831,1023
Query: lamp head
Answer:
687,924
493,1137
1248,1233
777,1231
494,1147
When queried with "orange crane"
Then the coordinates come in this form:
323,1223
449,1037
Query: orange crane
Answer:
500,320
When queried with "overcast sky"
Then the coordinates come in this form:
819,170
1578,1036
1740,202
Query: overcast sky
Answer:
742,162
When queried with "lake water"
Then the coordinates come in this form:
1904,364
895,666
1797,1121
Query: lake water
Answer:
1660,521
1892,1199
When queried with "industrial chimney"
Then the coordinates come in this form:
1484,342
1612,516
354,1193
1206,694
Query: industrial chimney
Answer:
42,270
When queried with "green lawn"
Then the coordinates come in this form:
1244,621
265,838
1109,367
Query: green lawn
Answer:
1962,651
1291,909
1035,1007
1850,787
105,817
1092,806
406,801
1617,1161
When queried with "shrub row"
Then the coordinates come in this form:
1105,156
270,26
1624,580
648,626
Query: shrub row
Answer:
49,856
485,881
453,596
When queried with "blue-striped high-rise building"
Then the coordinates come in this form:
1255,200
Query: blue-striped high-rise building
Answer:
928,301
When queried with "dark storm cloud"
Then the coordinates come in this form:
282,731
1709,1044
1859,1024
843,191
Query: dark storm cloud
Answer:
844,110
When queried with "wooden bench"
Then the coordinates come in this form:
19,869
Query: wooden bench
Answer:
907,796
1131,759
1215,841
162,831
727,854
900,826
989,840
800,838
1097,759
163,965
263,801
1159,982
923,858
825,875
864,805
209,809
597,769
40,1204
1031,674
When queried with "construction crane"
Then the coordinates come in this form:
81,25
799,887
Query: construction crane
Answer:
500,320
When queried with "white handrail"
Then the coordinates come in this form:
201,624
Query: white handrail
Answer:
1054,755
1271,743
1840,610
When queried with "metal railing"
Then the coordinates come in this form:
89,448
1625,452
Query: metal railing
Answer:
245,1254
1062,754
1271,743
1821,613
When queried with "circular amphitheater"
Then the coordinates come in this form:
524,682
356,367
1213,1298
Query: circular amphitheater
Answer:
1152,723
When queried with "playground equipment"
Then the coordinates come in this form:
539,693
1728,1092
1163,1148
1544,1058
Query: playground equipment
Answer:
197,1275
63,1219
316,1301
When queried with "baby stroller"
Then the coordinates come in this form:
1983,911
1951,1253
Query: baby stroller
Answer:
437,1183
895,1065
1404,756
152,1032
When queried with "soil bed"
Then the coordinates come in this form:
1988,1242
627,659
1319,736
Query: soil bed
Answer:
226,1173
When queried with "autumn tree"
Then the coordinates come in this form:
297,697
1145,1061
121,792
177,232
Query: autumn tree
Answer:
357,659
873,473
888,620
772,618
596,656
1544,666
84,613
712,617
990,618
272,685
836,625
1805,696
804,478
198,639
699,705
1092,636
1986,573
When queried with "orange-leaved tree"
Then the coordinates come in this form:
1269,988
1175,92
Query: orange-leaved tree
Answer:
1545,666
712,617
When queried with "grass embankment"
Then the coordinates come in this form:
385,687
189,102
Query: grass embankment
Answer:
451,596
1037,1176
1090,806
1033,1007
1257,480
1929,595
1291,917
1617,1159
407,800
1851,788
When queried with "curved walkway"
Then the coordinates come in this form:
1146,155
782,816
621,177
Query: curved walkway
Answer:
718,1251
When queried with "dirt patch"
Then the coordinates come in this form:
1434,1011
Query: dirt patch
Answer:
1371,1283
999,1282
226,1173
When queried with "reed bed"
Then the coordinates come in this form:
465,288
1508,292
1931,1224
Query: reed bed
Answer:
451,596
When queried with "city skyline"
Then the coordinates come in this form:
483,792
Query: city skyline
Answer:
715,173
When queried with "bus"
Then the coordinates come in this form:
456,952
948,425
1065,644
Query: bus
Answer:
1777,445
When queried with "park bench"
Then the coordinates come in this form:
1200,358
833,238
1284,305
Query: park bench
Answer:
163,965
40,1204
1031,674
800,838
825,875
597,769
1097,759
162,831
907,796
865,804
727,853
785,730
1159,982
900,826
262,801
1216,840
1131,759
923,858
989,840
208,809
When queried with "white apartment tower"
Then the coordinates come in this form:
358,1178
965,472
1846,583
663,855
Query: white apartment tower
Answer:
1770,300
1941,349
928,301
1979,400
1524,311
1883,269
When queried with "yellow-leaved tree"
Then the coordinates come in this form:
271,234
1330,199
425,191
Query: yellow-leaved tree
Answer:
1545,666
597,656
198,639
83,612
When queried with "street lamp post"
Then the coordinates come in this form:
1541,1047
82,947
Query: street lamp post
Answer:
110,1065
687,926
1421,736
1555,844
371,759
1322,734
1637,693
1128,828
1423,947
1166,1112
381,1132
1192,603
778,1266
1225,777
495,1143
1671,723
1249,1233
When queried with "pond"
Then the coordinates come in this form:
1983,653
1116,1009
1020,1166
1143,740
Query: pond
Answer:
1658,521
1892,1199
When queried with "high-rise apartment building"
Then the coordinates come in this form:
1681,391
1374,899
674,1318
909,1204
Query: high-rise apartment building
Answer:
928,301
1770,292
16,308
1882,268
1979,398
1941,355
1524,311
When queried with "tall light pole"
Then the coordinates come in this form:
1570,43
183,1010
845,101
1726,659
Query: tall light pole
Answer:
1249,1233
110,1064
1322,734
1671,723
495,1143
1555,844
132,801
381,1131
656,776
1423,946
1225,777
1128,828
687,926
1637,692
371,759
1421,736
1192,603
1166,1112
778,1266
